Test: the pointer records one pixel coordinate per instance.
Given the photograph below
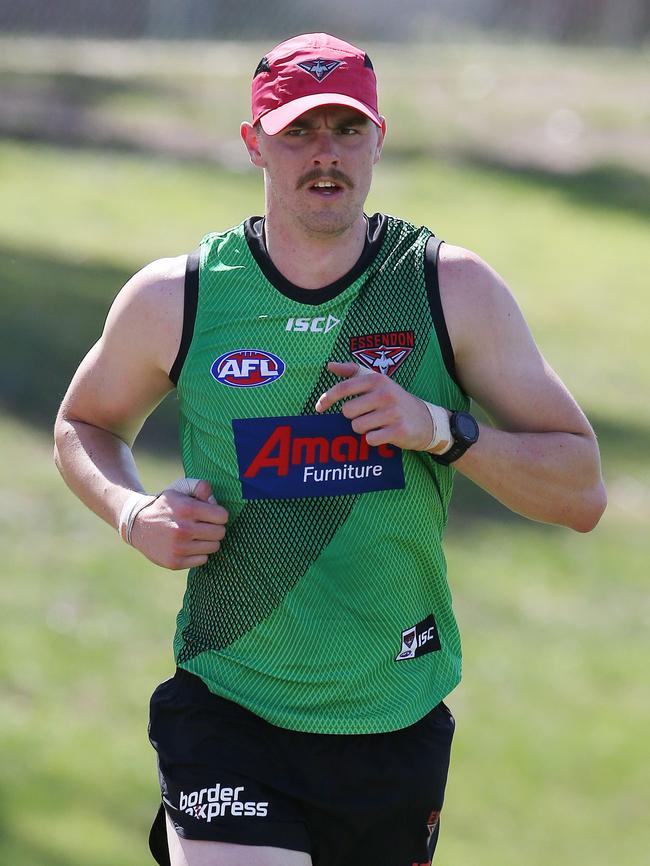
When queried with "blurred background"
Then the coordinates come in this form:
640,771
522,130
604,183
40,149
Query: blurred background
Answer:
516,128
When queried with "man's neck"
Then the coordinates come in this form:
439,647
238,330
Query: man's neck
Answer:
310,260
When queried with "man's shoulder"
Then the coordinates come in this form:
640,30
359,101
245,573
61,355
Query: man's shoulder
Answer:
474,297
153,299
159,284
466,275
163,272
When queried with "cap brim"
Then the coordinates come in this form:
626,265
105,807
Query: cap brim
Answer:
275,121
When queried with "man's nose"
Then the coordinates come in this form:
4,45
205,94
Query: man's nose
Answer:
325,149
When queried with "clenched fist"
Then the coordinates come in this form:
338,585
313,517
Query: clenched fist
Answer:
179,530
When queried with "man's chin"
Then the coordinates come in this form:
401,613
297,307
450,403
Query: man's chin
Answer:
327,224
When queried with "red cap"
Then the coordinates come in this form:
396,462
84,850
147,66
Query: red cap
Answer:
309,71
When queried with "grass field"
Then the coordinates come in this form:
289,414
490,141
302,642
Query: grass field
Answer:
550,759
559,107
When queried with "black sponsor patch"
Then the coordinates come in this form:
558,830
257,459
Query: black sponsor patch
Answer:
419,639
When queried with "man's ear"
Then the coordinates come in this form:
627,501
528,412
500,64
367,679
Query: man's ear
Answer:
251,140
381,134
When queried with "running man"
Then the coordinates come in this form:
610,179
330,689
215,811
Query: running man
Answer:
324,362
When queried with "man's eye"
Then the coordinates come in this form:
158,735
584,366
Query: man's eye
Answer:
296,133
348,130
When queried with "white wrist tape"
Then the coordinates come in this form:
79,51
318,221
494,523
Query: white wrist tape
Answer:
441,431
184,485
188,487
137,501
130,510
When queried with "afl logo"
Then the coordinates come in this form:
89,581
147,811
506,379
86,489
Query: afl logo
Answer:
247,368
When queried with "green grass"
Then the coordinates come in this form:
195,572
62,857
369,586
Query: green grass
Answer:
552,704
478,97
553,713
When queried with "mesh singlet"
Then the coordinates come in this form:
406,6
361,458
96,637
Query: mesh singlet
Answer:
327,607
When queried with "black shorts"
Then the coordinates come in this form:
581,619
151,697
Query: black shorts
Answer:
346,799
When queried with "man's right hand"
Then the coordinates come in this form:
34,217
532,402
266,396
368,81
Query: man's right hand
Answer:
179,531
117,385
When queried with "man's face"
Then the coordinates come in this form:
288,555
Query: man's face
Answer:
319,168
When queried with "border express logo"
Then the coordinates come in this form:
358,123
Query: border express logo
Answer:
311,455
220,802
247,368
384,353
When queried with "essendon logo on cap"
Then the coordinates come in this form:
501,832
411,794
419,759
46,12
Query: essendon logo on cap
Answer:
319,68
311,455
384,353
247,368
289,80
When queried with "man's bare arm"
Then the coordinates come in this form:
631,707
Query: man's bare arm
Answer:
118,384
541,458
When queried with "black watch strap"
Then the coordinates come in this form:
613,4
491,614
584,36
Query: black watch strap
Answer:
457,450
464,431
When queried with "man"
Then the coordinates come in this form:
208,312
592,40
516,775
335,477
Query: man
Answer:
324,362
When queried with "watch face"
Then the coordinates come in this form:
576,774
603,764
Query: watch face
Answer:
466,427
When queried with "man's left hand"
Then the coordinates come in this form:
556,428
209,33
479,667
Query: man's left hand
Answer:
378,407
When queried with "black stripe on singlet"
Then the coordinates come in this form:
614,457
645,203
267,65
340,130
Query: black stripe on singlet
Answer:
189,312
431,257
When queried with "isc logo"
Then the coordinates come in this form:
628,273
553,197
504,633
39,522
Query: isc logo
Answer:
318,325
247,368
419,639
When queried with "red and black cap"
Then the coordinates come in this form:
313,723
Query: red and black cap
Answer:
309,71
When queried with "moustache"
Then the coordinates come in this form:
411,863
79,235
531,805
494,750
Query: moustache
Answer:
317,174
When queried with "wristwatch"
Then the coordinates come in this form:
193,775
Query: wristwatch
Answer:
464,432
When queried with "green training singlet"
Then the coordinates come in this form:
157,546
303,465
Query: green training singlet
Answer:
327,607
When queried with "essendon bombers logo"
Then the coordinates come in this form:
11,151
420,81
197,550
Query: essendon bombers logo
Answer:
383,353
311,455
319,68
432,823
